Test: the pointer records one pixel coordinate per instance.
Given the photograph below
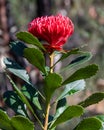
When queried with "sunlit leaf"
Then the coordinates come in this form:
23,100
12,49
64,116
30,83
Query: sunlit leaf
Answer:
72,88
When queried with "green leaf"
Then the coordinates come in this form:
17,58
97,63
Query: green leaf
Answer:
101,118
89,124
21,123
62,102
69,113
29,38
67,54
17,70
36,58
17,47
15,103
15,123
5,121
81,59
23,98
51,83
82,73
93,99
85,56
61,106
31,94
72,88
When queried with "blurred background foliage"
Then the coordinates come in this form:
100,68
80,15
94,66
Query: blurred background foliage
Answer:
88,18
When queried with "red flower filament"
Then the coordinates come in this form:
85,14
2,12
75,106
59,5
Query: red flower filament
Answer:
53,29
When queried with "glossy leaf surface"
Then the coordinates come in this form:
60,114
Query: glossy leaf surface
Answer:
72,88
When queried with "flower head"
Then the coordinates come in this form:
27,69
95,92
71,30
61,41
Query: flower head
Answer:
53,29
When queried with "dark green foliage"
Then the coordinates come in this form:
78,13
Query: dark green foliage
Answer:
84,57
67,54
36,58
89,124
5,121
32,95
51,83
82,73
21,123
69,113
93,99
61,106
15,123
15,103
17,70
30,39
17,48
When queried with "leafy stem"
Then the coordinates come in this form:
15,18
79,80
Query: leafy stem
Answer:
23,98
48,104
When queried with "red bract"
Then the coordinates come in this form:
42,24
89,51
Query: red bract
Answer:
53,29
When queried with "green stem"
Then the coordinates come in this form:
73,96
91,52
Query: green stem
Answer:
24,99
48,104
51,62
46,117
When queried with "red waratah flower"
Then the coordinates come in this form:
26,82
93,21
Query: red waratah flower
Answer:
53,29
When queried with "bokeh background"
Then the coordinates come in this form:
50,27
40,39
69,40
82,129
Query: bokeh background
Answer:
88,18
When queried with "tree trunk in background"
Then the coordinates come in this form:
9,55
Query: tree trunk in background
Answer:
4,47
4,32
43,7
4,41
